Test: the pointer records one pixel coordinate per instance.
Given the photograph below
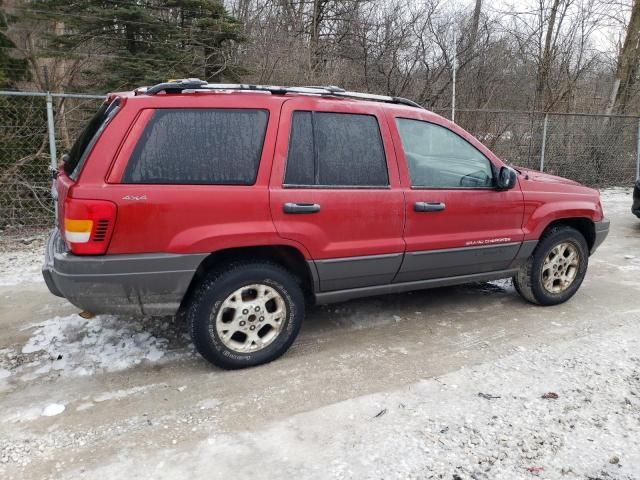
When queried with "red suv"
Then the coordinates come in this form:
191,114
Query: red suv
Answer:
239,205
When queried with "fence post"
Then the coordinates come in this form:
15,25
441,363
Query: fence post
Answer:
52,133
544,141
453,86
638,153
53,156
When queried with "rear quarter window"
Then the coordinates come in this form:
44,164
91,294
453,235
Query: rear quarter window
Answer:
81,148
199,146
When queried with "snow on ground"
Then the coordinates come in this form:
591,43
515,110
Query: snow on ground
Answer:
74,346
617,200
490,421
20,262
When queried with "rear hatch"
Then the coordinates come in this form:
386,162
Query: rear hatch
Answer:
77,156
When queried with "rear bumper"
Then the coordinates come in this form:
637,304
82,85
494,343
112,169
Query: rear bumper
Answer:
145,284
601,230
635,208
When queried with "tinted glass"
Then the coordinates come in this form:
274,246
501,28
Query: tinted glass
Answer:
439,158
301,158
335,149
88,137
199,146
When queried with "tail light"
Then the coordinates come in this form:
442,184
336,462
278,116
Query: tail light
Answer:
88,225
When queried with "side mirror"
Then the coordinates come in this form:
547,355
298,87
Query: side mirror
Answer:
507,178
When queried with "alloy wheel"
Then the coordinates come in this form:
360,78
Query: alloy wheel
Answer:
251,318
560,267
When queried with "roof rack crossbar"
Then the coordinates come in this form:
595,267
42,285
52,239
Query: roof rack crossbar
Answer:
196,84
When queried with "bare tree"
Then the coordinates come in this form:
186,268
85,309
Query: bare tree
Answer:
627,65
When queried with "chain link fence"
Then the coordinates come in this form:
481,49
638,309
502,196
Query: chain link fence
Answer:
30,125
597,150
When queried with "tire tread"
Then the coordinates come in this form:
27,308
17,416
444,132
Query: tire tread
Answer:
524,278
210,282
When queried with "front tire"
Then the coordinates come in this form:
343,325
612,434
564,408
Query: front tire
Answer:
246,315
556,269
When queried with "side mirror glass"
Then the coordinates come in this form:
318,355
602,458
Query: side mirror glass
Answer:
507,178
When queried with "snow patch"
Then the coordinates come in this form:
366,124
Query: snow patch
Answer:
209,404
24,415
400,350
52,410
632,263
616,200
84,406
120,394
21,266
74,346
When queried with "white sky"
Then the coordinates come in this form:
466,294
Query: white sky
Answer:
613,17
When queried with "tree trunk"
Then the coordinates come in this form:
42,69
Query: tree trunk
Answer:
627,68
475,25
314,43
544,67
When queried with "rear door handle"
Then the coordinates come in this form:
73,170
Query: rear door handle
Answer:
428,206
301,208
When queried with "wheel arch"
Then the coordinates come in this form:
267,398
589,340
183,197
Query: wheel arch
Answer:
584,225
286,256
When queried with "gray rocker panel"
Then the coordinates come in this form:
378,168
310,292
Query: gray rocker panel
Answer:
352,272
456,261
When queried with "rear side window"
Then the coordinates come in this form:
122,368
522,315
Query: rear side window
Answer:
199,146
87,139
335,149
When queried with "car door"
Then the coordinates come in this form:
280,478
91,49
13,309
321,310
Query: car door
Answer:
457,222
335,190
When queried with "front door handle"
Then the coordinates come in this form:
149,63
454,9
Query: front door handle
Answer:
301,208
428,206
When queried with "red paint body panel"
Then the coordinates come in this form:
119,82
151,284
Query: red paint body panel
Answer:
548,198
181,218
352,222
471,216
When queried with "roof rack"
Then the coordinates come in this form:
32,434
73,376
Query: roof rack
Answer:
178,86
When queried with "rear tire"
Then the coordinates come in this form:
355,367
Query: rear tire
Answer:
246,315
556,269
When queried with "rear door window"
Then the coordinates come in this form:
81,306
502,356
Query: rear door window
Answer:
199,146
335,149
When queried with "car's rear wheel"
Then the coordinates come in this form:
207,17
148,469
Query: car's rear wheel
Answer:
246,315
556,269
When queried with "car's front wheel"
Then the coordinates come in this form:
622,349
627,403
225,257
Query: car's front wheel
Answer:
246,315
556,269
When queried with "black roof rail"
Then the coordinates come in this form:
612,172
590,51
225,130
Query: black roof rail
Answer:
177,86
406,101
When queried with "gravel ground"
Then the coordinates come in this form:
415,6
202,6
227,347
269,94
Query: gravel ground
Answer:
570,410
446,383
